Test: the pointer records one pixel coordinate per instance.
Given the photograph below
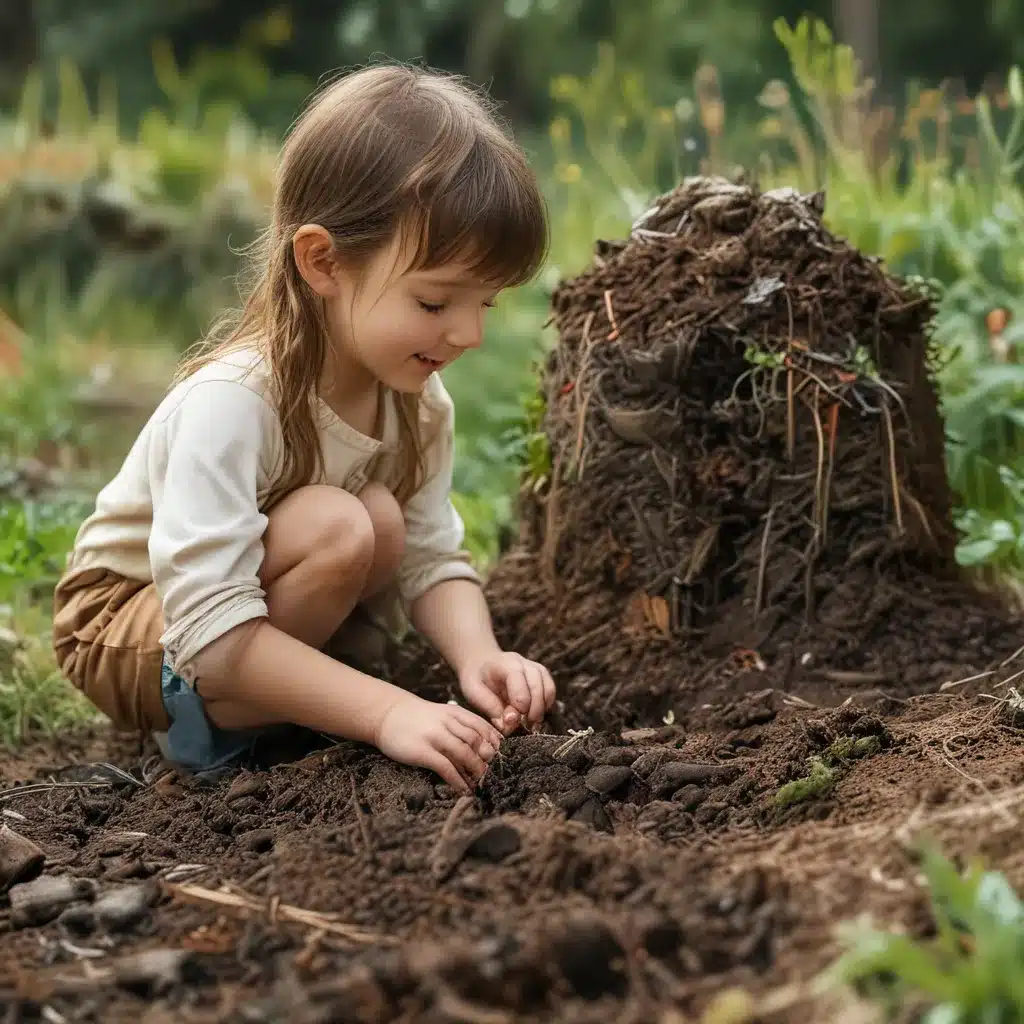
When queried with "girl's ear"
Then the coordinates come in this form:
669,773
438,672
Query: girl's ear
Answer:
316,260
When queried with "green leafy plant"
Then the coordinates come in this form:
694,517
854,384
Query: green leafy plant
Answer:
34,697
35,537
969,972
37,404
991,539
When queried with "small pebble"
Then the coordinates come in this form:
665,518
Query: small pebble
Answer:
572,800
260,840
577,759
670,777
42,900
154,972
246,785
124,906
592,813
689,797
655,757
20,859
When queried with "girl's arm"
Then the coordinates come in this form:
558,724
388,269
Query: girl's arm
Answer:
454,617
281,679
443,595
262,669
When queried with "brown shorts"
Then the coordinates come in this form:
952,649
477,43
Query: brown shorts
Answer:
106,635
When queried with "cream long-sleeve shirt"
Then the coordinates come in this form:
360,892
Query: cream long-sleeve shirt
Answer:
186,508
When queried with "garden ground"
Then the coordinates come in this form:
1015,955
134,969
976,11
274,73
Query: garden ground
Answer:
703,809
605,876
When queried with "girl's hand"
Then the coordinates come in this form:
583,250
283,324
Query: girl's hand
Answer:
447,739
509,689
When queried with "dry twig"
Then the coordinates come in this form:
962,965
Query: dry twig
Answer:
275,911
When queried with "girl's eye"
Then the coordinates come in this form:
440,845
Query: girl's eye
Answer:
491,304
431,307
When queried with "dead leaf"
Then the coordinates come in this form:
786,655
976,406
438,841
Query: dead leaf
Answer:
657,613
622,566
636,611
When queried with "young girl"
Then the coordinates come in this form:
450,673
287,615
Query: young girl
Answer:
298,471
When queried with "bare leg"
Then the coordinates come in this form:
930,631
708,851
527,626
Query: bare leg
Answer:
326,550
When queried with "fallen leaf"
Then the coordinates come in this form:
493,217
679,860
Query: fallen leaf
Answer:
622,566
657,613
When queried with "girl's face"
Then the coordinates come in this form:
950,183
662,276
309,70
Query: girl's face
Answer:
399,327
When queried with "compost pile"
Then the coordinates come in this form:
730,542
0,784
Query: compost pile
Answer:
746,471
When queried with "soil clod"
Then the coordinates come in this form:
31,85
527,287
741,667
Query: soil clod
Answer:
494,843
21,860
605,779
116,910
40,901
155,971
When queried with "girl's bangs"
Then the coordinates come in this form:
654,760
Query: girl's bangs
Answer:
491,220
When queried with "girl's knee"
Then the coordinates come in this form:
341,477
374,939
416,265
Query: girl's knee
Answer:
388,522
339,530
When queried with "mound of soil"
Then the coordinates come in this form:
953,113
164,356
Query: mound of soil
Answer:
747,483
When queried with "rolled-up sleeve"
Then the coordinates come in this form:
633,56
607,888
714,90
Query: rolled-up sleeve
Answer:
434,529
206,543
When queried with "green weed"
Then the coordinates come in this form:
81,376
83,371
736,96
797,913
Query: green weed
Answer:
35,537
34,697
969,972
826,770
817,783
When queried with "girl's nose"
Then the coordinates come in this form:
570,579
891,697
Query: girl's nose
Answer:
465,335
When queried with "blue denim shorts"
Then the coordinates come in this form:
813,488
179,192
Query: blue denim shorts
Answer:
193,741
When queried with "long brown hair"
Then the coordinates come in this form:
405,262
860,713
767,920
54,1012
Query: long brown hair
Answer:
386,151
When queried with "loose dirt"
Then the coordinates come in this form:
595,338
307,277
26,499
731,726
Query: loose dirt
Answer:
593,878
773,679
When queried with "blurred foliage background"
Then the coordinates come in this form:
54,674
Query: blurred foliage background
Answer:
137,148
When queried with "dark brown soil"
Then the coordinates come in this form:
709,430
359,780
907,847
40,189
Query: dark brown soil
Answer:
772,678
606,877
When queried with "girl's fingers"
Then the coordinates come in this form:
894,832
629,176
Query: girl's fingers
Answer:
486,700
444,767
463,756
535,681
518,690
485,731
549,688
473,738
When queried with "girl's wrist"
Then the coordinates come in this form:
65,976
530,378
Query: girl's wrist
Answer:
471,656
